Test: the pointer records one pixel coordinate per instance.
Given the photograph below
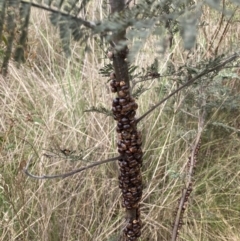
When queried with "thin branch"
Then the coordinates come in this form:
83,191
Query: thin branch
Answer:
191,81
68,173
227,26
216,32
188,189
87,24
191,167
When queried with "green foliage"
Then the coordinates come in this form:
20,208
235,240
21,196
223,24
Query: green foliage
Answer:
106,70
140,89
145,18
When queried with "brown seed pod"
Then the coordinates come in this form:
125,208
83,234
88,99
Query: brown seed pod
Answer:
127,195
122,83
115,101
123,101
132,122
123,169
131,99
122,94
126,135
117,84
112,76
130,156
135,221
132,189
137,195
118,108
130,233
123,175
127,107
127,142
121,178
126,203
119,144
128,152
127,169
115,117
138,234
134,170
126,126
127,174
119,136
113,89
124,120
113,83
128,226
120,151
126,180
124,191
139,134
135,180
123,146
125,88
110,55
140,162
135,106
134,143
120,125
133,149
133,163
119,129
139,141
131,114
123,163
118,115
136,229
125,185
114,110
139,154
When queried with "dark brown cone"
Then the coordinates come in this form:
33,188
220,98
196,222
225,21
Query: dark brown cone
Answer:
129,146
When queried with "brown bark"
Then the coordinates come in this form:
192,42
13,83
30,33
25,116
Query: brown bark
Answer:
129,138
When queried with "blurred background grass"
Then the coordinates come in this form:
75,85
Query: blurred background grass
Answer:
42,117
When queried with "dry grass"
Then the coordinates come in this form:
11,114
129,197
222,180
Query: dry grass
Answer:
42,111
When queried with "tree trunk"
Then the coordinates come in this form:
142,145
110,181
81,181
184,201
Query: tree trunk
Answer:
129,138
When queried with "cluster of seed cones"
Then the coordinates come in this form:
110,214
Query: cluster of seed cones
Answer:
129,146
182,205
183,201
